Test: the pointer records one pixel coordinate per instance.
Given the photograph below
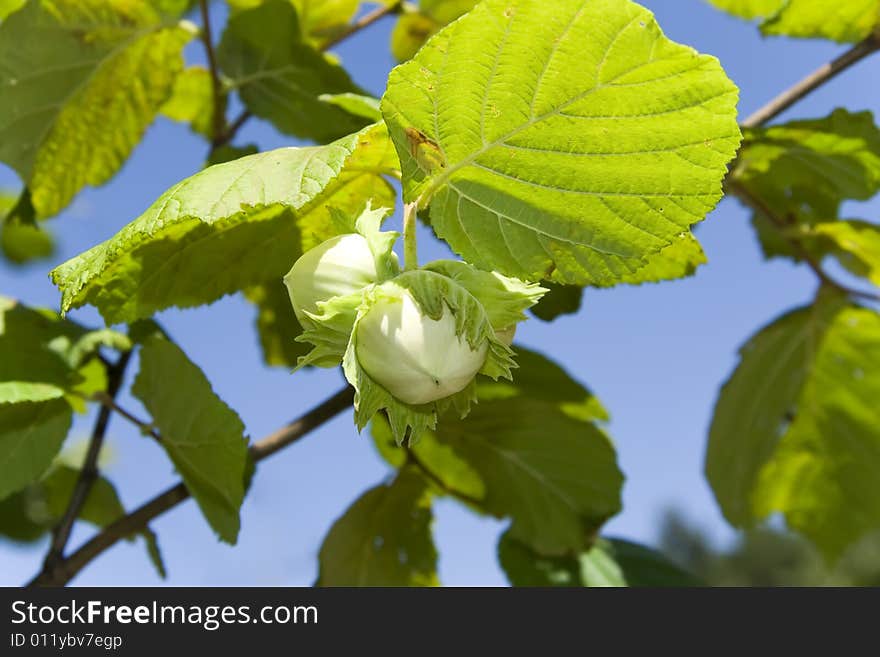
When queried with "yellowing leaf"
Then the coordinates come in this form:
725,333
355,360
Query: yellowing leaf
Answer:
81,80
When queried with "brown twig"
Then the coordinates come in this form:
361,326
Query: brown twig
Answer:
88,474
109,402
762,208
365,21
813,81
218,118
69,567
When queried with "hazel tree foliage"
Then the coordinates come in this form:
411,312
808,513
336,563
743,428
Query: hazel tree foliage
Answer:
552,146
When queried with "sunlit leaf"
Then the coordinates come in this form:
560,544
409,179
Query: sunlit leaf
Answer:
95,69
565,140
258,212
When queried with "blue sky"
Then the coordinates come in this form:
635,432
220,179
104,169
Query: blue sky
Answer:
655,354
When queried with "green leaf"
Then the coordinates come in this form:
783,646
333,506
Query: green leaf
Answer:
810,167
678,260
202,435
559,300
259,212
611,562
445,467
31,434
565,140
192,100
102,506
845,22
750,9
356,104
415,26
9,6
856,244
23,243
756,405
16,523
322,19
37,359
276,325
823,473
96,69
383,539
279,77
541,460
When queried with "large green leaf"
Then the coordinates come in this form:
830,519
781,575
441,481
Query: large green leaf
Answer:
529,450
566,140
795,427
609,562
279,77
31,434
202,435
383,539
823,475
756,405
81,80
257,212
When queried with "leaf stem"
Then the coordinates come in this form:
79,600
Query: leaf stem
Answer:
759,206
813,81
110,403
218,114
88,474
410,245
67,568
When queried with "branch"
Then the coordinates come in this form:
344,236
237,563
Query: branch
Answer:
813,81
89,472
365,21
137,520
759,206
218,118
